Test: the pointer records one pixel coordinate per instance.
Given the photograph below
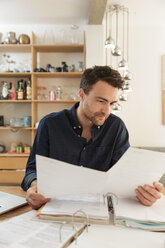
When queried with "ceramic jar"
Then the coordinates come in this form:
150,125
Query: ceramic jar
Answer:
24,39
11,39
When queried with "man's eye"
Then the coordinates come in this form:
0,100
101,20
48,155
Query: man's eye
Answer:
112,103
100,100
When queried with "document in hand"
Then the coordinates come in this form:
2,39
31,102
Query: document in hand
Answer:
136,167
142,166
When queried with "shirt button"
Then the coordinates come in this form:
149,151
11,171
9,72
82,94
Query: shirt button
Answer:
74,127
79,126
84,149
78,135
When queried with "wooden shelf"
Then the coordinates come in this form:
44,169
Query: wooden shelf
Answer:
59,48
57,74
15,128
41,74
14,74
15,48
14,155
16,101
39,101
55,101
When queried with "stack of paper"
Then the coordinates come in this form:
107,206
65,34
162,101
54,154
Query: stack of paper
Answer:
87,209
128,211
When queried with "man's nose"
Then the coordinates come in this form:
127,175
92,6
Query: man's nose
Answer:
107,109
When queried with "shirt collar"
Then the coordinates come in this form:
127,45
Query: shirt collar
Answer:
75,123
73,115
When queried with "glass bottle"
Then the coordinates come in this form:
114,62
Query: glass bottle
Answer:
9,90
75,34
1,91
28,90
5,91
80,67
12,95
19,148
17,86
20,91
24,89
52,95
58,93
64,66
73,68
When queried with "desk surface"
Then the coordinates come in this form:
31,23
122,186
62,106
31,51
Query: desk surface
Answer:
16,190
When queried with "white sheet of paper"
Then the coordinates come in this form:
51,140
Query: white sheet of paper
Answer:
23,232
56,178
137,166
64,207
116,237
130,208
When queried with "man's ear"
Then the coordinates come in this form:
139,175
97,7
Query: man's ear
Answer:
81,94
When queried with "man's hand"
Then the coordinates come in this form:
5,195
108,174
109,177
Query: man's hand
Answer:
148,194
34,199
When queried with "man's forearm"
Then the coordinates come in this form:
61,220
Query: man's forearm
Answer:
27,181
34,182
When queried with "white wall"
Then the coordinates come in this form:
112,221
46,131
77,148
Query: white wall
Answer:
94,45
147,43
142,112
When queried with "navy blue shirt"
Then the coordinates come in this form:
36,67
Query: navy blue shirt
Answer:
59,137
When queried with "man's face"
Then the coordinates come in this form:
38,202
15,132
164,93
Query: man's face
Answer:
98,103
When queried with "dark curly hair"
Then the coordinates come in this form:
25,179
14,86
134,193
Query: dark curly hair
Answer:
104,73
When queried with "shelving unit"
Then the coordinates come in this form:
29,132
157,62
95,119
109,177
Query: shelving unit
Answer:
17,162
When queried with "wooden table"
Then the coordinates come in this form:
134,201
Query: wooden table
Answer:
16,190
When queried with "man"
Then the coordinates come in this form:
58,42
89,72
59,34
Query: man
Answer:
86,135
